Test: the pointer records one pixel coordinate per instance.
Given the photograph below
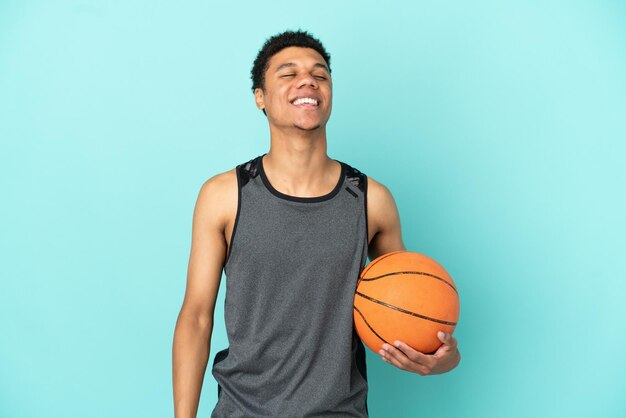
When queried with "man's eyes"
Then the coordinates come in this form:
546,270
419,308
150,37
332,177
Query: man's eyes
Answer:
320,77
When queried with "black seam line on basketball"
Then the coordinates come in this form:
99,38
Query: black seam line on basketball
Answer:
374,262
380,302
421,273
369,326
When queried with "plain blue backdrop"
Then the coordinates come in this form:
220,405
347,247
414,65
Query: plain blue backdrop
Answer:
499,127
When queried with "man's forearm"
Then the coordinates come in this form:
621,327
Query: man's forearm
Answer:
190,353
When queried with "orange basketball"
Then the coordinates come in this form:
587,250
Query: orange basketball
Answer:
406,296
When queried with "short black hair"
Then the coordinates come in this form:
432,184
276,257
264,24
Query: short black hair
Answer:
278,42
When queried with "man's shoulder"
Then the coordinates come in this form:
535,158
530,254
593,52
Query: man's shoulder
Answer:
226,181
221,182
376,187
218,196
381,208
379,197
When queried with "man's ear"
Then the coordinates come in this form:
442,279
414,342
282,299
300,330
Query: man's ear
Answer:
259,98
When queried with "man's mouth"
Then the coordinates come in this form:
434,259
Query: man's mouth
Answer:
305,102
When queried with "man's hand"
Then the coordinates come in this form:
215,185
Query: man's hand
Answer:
446,358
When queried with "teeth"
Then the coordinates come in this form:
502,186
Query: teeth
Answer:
305,100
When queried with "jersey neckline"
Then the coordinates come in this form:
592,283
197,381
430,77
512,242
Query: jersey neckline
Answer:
313,199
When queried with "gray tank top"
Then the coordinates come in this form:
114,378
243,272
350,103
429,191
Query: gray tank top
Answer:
291,273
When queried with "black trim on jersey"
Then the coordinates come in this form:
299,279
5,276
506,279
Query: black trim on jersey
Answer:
352,192
249,170
220,356
367,239
314,199
245,172
359,180
360,359
232,234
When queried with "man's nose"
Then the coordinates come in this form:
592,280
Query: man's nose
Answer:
307,79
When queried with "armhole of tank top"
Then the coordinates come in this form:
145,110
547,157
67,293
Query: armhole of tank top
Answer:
367,239
232,234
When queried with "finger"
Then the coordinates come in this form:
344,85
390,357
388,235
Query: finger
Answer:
393,361
411,353
405,364
391,358
447,339
410,359
447,349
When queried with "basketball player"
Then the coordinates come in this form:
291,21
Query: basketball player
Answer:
292,229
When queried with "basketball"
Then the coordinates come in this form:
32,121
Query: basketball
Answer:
406,296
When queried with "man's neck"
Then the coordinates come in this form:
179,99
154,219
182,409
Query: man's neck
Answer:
298,165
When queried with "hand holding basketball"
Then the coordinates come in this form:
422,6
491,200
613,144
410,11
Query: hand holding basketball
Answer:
446,358
407,296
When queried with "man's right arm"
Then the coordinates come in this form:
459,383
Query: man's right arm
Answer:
194,326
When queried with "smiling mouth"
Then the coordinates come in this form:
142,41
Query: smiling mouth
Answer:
304,102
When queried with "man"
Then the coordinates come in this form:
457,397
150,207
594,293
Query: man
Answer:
292,229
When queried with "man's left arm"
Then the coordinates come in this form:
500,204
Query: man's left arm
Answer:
386,233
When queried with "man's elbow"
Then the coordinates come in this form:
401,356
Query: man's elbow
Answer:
196,320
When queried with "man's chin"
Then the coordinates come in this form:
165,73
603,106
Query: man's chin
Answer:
306,127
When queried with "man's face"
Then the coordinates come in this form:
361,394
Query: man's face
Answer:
294,74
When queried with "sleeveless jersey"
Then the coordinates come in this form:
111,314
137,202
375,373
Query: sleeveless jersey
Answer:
291,274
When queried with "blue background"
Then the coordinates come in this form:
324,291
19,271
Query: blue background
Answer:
499,127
